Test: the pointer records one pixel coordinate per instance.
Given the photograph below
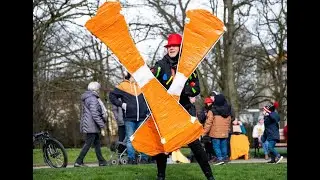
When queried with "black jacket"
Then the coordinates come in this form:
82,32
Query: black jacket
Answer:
163,71
202,115
271,127
130,93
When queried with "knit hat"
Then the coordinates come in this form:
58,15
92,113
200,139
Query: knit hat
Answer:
208,100
214,93
219,100
269,108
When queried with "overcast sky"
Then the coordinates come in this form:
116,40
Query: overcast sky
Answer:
149,46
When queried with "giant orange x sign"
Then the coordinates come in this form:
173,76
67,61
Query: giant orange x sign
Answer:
170,126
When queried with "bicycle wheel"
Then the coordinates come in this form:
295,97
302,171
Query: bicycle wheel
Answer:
55,154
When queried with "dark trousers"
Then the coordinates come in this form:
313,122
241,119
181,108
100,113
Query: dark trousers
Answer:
209,150
207,142
199,154
256,146
91,138
121,133
228,145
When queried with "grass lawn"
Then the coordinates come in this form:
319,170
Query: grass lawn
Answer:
174,171
72,156
91,156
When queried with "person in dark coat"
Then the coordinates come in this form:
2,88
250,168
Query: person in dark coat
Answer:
92,123
135,111
164,70
271,132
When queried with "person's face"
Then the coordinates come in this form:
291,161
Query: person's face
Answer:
261,121
192,99
208,104
212,97
173,50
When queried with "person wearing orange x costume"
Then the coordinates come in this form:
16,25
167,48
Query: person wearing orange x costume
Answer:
164,70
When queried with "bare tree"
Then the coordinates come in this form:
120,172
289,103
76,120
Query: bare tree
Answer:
223,58
220,63
271,33
67,57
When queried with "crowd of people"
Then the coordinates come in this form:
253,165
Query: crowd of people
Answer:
222,130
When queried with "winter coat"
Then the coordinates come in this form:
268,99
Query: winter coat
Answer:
92,119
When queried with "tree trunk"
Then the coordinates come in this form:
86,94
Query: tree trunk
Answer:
230,88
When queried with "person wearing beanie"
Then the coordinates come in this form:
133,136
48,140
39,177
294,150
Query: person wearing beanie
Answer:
207,140
222,99
271,132
92,122
226,108
217,126
165,70
213,94
202,115
221,107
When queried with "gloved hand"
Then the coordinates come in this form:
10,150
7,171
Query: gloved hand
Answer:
103,133
124,106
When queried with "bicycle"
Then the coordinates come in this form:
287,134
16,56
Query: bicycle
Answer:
51,148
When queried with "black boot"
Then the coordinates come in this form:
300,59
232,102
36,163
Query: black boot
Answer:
160,176
161,160
209,175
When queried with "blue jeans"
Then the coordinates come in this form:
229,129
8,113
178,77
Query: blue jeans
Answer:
131,127
273,152
220,147
265,147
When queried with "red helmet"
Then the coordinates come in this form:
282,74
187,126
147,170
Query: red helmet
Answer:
208,100
174,39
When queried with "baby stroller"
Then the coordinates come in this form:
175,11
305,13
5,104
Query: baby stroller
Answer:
119,154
